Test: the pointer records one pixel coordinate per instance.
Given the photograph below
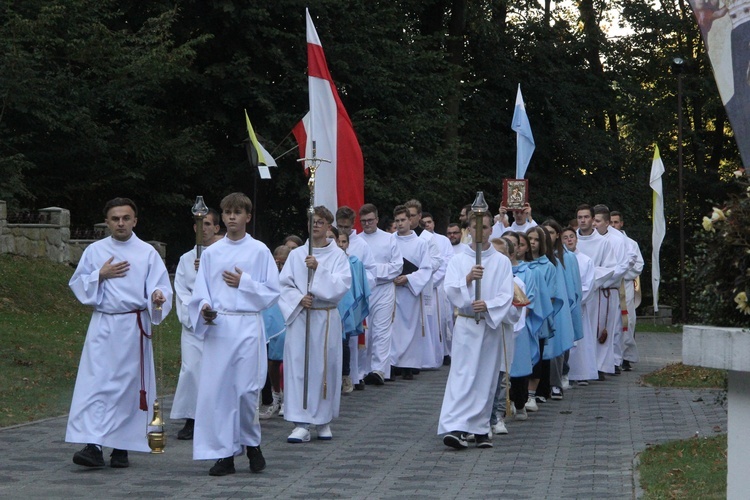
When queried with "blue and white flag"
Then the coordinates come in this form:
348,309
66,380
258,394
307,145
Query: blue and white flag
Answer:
524,139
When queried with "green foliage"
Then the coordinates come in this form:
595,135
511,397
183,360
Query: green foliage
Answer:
721,262
145,99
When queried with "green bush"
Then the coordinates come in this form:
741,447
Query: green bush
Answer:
721,264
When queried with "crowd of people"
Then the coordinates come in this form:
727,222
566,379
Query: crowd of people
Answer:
519,311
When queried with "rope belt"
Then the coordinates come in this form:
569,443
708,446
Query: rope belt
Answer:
143,399
325,346
462,315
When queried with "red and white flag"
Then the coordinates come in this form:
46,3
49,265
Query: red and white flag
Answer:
341,182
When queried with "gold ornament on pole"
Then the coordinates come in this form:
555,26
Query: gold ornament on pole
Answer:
479,208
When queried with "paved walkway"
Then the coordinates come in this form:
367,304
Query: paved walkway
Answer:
385,446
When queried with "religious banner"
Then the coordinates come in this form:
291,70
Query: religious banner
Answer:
515,193
726,34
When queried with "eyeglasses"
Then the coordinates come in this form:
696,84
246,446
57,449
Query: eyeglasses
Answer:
319,222
367,221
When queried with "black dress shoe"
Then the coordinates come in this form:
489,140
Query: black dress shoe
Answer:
222,467
119,459
257,462
483,441
373,378
90,456
446,360
626,366
186,433
408,373
601,377
617,370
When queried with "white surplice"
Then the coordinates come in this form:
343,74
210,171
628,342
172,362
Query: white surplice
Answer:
410,327
234,364
106,400
477,355
582,360
359,361
388,266
330,282
191,347
432,352
629,346
607,315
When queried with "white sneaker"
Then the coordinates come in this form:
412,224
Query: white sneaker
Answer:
521,414
324,432
531,404
346,384
499,428
299,435
270,411
565,383
281,409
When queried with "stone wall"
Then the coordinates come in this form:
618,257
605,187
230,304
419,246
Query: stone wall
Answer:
50,237
47,239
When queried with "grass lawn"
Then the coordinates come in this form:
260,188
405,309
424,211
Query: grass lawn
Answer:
692,468
692,377
43,328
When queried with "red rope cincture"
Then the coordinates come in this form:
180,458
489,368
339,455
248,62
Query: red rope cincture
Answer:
144,399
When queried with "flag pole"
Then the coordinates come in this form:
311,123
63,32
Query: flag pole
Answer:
313,164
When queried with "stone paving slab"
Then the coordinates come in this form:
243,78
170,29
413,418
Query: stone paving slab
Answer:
385,446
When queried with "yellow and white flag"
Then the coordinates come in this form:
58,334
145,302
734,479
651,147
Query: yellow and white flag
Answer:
659,222
265,159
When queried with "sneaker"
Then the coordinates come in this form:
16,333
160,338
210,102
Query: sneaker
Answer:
324,432
359,386
346,385
617,370
257,462
521,414
270,411
531,404
374,378
186,433
582,383
299,435
90,456
281,410
470,438
557,394
499,428
456,440
483,441
541,399
119,459
222,467
565,383
626,366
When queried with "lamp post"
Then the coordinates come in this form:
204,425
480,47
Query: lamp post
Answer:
678,68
